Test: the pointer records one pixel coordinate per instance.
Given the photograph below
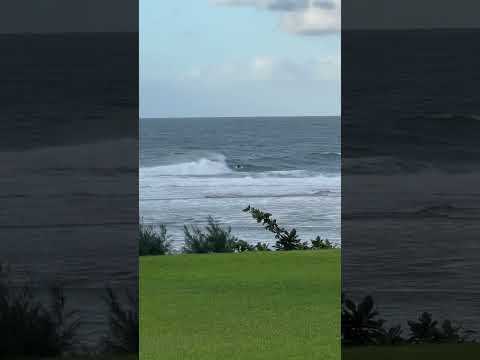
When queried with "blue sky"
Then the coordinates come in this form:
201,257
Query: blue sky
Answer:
206,58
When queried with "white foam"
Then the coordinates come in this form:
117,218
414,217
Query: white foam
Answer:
193,186
200,167
210,177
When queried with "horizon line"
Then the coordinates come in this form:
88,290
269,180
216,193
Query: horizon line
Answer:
236,117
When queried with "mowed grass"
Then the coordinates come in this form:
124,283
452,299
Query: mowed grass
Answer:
266,305
118,357
424,352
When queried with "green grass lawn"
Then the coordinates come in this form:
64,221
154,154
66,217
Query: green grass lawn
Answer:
119,357
278,305
410,352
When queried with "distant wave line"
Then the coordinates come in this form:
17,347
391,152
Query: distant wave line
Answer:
247,196
216,165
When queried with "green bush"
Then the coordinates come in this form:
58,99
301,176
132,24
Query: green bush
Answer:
320,244
152,242
214,239
262,247
286,240
242,246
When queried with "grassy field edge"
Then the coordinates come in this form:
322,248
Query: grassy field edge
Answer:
258,305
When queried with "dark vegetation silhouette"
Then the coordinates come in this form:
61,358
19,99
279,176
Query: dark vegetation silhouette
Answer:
28,328
286,240
34,328
427,330
242,246
360,322
320,244
361,325
262,247
213,239
216,239
123,323
153,242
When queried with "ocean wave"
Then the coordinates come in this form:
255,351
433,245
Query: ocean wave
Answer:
231,187
272,196
247,195
436,211
284,173
217,165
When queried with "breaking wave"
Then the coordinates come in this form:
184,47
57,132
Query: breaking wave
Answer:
215,165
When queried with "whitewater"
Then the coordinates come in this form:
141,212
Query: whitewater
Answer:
182,183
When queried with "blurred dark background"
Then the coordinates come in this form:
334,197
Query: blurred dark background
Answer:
410,125
69,173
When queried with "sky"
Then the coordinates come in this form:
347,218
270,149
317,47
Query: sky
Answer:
207,58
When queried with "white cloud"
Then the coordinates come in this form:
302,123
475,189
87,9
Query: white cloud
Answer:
313,20
303,17
262,67
240,2
267,68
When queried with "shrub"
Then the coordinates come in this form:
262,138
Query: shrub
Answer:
392,336
426,330
123,324
66,323
214,239
360,323
262,247
286,240
152,242
456,334
242,246
320,244
361,326
28,328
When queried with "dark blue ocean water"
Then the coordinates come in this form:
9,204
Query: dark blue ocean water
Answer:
410,172
69,166
192,168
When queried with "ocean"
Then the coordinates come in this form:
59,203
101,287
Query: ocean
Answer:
198,167
69,169
410,173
